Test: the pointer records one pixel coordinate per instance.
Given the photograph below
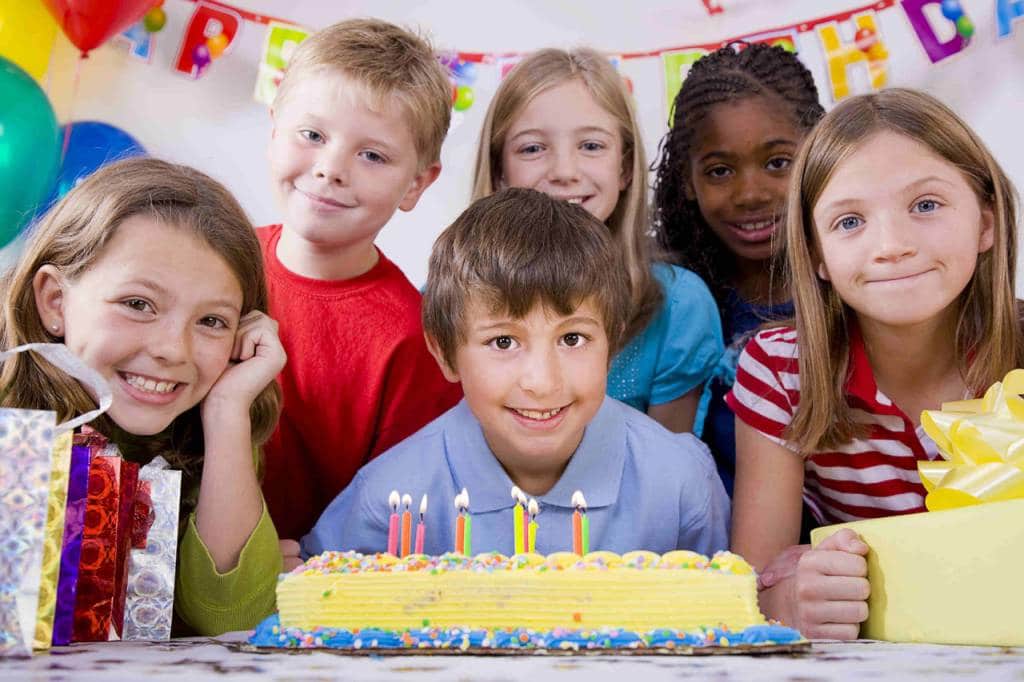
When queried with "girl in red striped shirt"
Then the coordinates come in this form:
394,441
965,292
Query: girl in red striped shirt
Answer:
900,247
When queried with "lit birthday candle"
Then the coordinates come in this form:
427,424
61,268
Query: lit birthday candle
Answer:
460,525
534,508
393,500
420,527
577,522
517,520
467,546
406,524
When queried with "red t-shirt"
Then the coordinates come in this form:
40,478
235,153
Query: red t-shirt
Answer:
359,379
868,477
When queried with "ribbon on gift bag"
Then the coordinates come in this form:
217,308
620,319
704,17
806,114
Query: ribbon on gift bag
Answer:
982,445
27,442
149,602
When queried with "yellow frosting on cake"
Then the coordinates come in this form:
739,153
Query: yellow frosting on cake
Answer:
562,592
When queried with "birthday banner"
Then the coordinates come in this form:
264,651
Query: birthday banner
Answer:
849,46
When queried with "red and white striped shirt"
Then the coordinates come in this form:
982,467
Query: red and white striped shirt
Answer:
868,477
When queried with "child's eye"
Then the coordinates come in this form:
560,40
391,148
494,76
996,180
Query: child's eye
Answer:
574,339
214,322
532,148
718,172
138,304
312,136
373,157
592,146
847,223
777,163
502,343
926,205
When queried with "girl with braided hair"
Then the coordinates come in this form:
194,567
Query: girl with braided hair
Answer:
719,195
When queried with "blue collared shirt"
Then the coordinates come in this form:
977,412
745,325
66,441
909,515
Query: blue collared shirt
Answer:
646,488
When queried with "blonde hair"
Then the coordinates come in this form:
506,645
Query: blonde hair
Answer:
73,235
392,64
514,249
988,337
628,223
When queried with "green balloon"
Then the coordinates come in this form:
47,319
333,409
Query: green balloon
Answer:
29,149
965,27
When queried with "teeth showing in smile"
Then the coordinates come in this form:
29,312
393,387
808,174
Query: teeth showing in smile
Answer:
753,227
149,385
535,414
575,200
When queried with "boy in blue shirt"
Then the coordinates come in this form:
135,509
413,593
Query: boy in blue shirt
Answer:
524,305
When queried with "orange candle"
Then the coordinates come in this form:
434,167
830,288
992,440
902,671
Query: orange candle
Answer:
460,525
577,523
406,524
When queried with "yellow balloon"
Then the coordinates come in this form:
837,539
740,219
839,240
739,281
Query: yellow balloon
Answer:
27,32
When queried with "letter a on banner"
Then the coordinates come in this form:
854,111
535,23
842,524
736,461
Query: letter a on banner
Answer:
210,32
865,50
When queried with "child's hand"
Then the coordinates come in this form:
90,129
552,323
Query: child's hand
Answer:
781,567
290,554
831,588
257,359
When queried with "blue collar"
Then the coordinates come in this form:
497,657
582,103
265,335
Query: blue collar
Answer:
595,468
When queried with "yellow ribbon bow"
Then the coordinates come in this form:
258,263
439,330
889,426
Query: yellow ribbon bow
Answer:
982,442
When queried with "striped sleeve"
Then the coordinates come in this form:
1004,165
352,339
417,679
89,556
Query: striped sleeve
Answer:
767,388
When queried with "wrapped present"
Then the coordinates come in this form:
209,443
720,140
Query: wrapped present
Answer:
149,604
27,441
71,546
53,537
952,575
102,568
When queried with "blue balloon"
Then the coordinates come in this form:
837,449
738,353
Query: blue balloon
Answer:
465,73
951,9
92,145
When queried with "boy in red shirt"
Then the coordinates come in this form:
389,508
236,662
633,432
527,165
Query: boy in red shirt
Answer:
358,124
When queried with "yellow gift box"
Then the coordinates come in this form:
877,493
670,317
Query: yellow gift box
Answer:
952,575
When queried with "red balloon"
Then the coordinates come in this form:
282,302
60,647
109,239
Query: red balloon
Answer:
89,23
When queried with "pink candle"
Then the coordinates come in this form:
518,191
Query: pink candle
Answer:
393,500
420,528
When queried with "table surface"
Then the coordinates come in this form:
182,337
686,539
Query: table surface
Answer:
220,658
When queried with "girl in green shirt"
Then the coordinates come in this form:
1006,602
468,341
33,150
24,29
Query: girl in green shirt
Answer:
150,272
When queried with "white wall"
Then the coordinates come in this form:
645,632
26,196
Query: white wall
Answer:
214,123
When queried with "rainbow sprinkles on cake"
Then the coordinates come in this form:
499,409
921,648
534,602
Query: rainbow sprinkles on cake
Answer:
596,601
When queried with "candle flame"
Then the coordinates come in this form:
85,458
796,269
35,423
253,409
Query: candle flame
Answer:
407,501
578,502
423,506
533,507
393,500
465,498
517,494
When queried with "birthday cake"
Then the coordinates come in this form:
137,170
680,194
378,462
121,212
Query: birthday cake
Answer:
639,602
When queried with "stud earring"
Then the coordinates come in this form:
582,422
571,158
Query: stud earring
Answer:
55,326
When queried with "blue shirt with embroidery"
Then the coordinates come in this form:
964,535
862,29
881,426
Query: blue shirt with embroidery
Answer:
741,320
677,351
646,488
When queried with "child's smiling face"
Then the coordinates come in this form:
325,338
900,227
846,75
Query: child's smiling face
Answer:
739,172
899,241
534,383
155,315
340,167
563,143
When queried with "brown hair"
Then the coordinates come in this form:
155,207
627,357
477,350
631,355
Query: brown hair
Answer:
628,224
987,330
513,249
393,64
73,235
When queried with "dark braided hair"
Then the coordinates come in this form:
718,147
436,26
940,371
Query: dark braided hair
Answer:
726,75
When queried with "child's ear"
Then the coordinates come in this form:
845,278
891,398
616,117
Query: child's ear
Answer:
625,177
424,179
822,271
988,229
449,372
48,286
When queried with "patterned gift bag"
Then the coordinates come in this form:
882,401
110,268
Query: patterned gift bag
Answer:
27,441
149,603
